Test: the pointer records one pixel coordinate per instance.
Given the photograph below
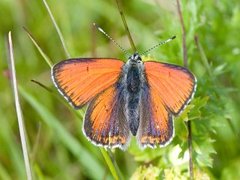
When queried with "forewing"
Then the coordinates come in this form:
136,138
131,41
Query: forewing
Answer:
175,85
156,124
105,122
79,80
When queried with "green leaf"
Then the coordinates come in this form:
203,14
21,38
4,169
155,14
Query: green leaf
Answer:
193,110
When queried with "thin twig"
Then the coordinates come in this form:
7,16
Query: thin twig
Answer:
57,29
185,62
126,26
18,109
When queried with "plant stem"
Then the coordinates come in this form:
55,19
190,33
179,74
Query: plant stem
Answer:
203,55
185,58
189,127
185,62
126,26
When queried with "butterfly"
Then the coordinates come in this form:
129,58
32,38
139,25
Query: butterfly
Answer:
124,99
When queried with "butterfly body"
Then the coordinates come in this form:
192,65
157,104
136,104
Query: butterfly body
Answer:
133,81
138,98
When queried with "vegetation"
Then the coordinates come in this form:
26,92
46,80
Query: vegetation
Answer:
58,149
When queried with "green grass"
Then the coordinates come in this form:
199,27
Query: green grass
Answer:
58,148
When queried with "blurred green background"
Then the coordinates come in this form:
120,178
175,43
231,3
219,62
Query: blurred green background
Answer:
58,148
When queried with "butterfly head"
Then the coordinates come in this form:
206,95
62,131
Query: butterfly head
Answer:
135,58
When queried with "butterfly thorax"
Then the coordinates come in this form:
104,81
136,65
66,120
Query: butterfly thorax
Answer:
133,83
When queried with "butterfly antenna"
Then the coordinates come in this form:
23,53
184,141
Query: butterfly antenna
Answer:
159,44
109,37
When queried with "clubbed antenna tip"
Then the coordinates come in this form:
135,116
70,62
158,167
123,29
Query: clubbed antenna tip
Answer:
159,44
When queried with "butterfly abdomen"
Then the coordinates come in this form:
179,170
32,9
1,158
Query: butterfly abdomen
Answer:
133,87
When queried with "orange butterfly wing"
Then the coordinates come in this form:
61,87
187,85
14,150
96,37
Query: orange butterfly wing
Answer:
167,90
156,125
105,122
79,80
174,84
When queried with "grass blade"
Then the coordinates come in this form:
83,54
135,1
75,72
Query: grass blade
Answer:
83,156
18,109
57,29
45,57
110,164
